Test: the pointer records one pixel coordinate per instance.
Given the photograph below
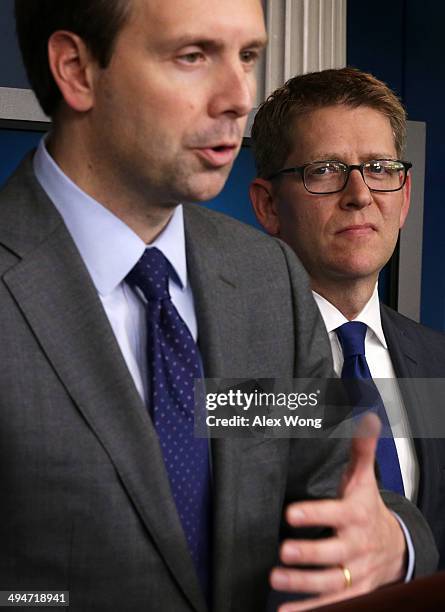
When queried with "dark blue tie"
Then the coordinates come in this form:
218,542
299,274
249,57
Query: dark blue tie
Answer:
173,365
352,340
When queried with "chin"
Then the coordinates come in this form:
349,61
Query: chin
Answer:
360,265
207,190
348,271
357,274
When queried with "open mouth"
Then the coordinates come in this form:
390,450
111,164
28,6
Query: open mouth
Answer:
218,156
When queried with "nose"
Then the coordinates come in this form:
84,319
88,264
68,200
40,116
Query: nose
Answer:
356,194
234,91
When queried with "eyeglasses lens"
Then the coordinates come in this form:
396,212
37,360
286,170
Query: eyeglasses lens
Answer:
384,175
325,177
331,176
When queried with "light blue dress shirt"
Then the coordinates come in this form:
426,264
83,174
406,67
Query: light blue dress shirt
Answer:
110,249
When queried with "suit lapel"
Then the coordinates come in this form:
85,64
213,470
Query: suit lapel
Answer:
56,296
219,312
407,366
219,305
402,348
403,355
222,315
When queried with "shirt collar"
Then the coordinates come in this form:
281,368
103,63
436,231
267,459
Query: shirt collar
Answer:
108,247
370,315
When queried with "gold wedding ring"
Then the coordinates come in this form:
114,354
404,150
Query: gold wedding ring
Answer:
348,577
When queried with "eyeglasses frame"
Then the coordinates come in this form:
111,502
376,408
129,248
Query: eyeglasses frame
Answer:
300,170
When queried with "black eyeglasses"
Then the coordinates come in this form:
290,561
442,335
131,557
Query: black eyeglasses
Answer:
331,176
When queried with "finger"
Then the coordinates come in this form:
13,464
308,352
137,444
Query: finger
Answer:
363,446
317,581
365,439
321,513
328,551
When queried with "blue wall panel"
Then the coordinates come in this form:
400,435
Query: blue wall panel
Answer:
424,97
234,199
12,72
13,146
375,40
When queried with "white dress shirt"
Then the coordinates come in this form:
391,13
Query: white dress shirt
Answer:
381,368
110,249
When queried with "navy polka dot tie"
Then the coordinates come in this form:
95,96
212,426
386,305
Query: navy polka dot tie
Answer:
367,397
173,364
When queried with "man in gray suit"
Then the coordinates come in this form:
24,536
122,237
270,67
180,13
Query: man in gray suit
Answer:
149,103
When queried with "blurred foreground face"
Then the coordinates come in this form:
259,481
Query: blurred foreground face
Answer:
171,108
348,235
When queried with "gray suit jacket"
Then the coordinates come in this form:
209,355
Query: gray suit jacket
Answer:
85,500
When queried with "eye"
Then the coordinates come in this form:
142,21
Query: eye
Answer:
249,56
323,169
376,168
194,57
383,168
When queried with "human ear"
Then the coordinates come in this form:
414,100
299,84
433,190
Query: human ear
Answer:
264,204
71,65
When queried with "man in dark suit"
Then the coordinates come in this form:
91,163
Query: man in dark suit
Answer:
105,490
332,185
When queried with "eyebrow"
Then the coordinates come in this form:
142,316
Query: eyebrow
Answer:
212,43
339,157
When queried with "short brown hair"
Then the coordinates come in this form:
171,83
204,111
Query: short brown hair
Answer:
272,128
97,22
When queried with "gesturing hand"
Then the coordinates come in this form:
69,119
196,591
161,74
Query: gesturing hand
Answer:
368,547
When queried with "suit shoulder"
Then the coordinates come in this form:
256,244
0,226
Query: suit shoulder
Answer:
27,216
224,224
234,233
257,258
20,180
413,328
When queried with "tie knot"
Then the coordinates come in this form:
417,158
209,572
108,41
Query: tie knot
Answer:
150,275
352,338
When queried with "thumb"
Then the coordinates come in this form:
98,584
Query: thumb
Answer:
363,446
